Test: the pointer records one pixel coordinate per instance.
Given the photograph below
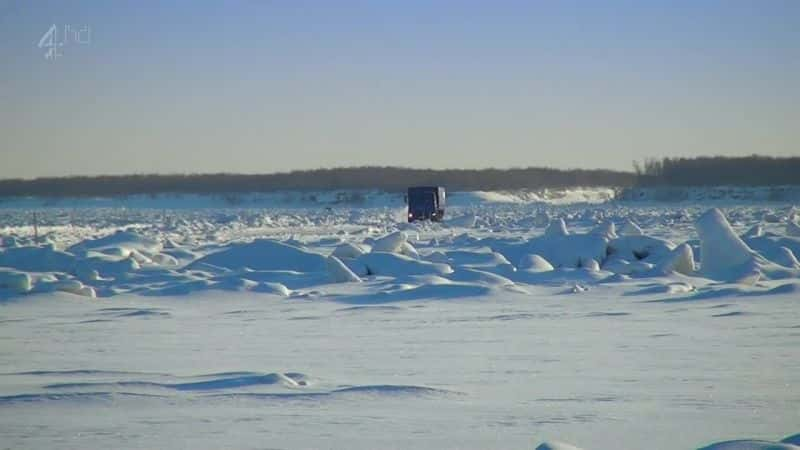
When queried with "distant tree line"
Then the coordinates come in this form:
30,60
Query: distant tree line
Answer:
718,171
700,171
391,179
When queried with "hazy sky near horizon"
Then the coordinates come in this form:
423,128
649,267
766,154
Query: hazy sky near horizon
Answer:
265,86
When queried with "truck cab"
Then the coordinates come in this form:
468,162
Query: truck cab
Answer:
426,203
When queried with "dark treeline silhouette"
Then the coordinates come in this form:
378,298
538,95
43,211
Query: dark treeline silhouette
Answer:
719,171
701,171
391,179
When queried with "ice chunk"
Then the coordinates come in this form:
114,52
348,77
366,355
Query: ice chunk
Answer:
754,232
606,229
724,256
786,258
629,228
557,227
792,229
348,250
409,250
390,243
339,272
589,264
541,219
680,260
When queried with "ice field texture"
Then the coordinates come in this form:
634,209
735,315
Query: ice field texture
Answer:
523,321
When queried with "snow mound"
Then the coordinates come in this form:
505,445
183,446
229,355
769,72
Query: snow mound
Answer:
273,288
73,287
534,263
392,264
95,267
639,247
465,221
569,250
589,264
265,254
14,280
37,259
468,275
560,250
121,241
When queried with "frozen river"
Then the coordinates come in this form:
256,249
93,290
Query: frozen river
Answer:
189,357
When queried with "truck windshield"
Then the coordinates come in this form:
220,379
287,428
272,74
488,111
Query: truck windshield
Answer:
421,200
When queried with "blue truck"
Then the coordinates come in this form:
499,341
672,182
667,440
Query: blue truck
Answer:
426,203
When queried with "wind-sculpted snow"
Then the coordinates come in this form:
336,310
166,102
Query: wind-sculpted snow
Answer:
225,382
509,324
231,385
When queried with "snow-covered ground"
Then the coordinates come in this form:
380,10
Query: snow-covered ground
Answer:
334,324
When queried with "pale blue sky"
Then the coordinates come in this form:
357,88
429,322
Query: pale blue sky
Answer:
265,86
